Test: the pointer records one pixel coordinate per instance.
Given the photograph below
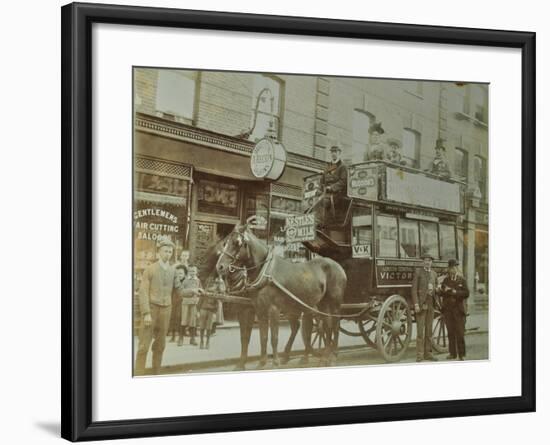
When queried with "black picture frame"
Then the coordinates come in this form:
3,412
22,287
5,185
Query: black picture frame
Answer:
76,248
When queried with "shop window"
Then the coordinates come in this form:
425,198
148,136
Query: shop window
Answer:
411,147
447,241
386,241
481,261
429,239
176,94
269,103
218,198
166,185
409,238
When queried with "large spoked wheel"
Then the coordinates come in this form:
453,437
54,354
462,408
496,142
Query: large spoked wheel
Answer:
367,327
394,328
440,336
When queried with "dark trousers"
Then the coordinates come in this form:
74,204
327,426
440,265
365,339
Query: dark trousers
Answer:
455,321
424,321
156,334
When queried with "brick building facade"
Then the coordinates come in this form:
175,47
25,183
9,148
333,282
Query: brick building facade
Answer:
215,110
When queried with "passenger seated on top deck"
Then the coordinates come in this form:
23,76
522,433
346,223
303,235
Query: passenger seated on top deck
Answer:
335,180
395,156
439,166
377,149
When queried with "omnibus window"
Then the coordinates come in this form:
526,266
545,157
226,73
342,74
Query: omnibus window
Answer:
386,242
362,233
447,241
428,238
409,239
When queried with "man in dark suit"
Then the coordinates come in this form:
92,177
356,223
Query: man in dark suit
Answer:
423,290
454,291
155,301
335,181
439,166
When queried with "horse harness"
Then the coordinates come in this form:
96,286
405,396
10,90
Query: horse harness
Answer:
266,277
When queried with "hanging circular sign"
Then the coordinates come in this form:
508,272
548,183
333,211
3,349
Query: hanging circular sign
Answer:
268,159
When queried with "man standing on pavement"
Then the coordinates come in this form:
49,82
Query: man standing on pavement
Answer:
155,299
423,291
454,291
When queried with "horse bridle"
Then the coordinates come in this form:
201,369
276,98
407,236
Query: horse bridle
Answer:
232,267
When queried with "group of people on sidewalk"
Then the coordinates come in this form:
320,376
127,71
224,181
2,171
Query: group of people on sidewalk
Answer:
454,291
173,301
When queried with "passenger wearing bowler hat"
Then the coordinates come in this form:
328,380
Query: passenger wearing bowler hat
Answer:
377,149
335,179
454,291
155,301
423,292
439,166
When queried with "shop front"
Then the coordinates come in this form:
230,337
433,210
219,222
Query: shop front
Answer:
194,186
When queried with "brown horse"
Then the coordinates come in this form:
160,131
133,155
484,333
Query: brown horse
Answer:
234,281
276,285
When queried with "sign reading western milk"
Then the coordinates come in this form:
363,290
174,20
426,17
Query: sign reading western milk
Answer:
300,228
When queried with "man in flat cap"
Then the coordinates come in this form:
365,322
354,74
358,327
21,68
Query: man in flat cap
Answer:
423,291
155,300
377,149
454,291
439,166
335,179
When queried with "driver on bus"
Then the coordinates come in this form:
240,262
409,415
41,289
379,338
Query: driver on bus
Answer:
335,180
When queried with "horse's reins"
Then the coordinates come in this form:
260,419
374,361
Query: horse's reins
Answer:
271,279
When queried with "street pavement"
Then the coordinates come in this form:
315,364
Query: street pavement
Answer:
225,346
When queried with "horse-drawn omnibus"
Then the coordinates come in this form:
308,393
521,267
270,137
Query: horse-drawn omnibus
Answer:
391,216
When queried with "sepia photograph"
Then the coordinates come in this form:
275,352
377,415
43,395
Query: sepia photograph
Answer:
295,221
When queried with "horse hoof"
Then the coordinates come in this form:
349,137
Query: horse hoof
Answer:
239,367
276,363
261,364
304,360
285,359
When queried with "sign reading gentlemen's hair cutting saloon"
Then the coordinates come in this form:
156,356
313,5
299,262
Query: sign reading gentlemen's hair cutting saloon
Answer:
268,159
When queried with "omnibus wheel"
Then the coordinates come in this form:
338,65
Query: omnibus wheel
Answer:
394,328
367,328
440,336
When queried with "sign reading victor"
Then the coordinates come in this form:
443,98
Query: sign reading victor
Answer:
268,159
363,182
300,228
